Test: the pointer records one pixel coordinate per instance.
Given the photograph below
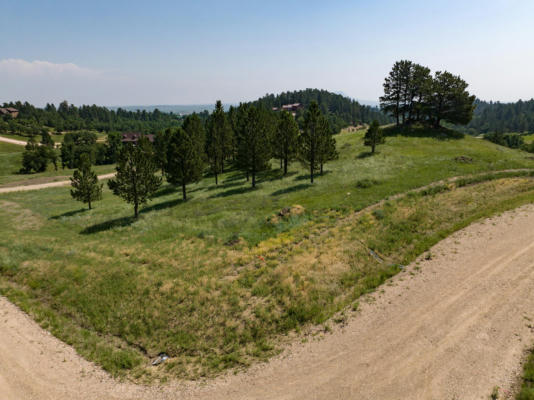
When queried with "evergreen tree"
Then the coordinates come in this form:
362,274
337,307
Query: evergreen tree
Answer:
85,183
185,153
35,158
161,148
373,136
285,139
450,101
136,180
327,150
254,146
390,102
219,140
312,139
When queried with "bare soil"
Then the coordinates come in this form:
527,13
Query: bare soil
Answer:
452,325
44,183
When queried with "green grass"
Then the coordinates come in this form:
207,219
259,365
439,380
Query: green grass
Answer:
217,281
11,162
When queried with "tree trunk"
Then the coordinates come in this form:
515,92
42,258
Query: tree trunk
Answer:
373,148
321,169
136,209
253,178
89,202
281,163
183,192
311,172
216,179
285,166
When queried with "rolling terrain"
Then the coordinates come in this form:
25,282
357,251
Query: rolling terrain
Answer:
226,279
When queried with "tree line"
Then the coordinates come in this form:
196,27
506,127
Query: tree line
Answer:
245,138
412,94
68,117
496,117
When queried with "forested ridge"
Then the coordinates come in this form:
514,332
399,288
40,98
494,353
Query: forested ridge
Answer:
496,117
341,111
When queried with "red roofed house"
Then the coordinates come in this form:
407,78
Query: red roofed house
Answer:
133,137
9,111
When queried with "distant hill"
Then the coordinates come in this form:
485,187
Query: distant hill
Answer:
502,117
342,110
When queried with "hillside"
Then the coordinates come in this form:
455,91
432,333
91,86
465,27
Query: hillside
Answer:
342,110
502,117
216,282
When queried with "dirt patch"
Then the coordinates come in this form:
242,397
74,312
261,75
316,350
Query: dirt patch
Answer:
22,218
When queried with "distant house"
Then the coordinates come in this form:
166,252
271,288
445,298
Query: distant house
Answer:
291,108
13,112
133,137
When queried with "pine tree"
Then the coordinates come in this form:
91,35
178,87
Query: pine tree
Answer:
313,142
285,139
35,158
254,150
450,101
327,150
85,183
219,140
390,102
373,136
136,180
185,154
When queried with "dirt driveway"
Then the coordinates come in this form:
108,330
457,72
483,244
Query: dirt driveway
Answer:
450,327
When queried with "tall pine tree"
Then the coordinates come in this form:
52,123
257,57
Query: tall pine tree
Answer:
136,180
218,140
285,139
312,147
84,182
185,154
254,141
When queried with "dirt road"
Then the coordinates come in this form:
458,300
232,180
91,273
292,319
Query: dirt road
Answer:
23,188
12,141
451,327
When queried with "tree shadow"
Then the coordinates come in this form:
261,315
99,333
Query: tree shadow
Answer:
161,206
226,184
364,154
69,213
107,225
231,192
292,189
165,191
422,131
315,176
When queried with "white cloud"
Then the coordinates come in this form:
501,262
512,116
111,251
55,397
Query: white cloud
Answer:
14,68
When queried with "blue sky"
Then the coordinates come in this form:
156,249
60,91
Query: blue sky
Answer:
177,52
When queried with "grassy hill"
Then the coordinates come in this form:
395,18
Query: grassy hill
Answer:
217,282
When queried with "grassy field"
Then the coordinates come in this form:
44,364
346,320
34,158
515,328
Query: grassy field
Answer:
56,138
217,281
11,162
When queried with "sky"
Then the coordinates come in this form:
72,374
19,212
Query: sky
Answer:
129,52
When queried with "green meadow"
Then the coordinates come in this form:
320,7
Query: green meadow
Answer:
222,280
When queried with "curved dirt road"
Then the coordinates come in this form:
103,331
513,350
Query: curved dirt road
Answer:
455,329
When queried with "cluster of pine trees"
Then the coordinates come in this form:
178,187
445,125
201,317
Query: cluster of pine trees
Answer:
340,110
67,117
412,94
247,138
495,117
